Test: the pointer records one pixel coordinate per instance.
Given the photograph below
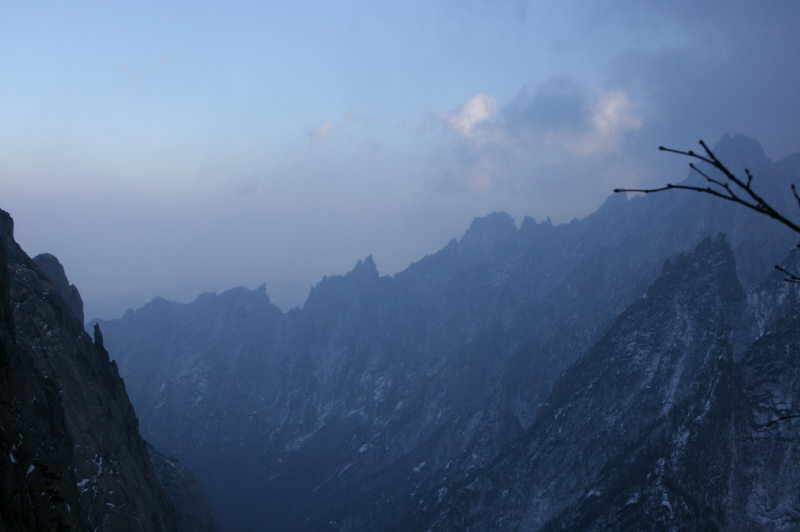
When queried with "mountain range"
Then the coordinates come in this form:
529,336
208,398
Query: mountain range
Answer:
624,371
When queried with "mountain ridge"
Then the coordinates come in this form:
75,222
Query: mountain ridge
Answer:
379,385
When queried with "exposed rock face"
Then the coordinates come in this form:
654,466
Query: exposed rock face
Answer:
192,512
661,426
54,272
764,472
71,457
635,435
380,397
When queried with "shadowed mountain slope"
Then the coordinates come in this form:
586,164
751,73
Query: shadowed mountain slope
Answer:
348,412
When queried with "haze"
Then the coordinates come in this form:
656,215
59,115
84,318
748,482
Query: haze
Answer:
174,148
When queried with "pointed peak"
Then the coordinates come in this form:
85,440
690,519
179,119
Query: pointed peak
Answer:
495,225
6,225
613,201
740,151
530,224
708,264
98,337
54,272
365,267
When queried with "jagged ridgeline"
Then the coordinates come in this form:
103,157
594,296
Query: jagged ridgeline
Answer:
531,377
71,457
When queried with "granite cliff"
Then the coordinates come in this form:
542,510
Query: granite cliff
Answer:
71,457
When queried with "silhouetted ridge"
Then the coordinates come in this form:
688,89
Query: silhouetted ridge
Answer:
494,227
53,270
71,457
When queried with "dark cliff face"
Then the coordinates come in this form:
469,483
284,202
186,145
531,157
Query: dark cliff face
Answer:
54,272
192,511
358,409
766,426
71,457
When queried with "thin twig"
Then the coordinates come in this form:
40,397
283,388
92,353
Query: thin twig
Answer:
732,188
782,418
790,277
750,198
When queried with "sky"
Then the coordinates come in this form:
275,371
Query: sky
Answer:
173,148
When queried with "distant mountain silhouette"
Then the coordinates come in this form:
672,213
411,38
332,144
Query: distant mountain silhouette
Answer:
530,377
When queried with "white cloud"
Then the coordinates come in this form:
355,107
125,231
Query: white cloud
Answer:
467,120
559,125
612,116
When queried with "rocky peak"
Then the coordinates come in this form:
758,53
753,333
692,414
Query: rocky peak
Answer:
495,226
336,289
6,225
710,264
740,151
365,268
71,456
54,271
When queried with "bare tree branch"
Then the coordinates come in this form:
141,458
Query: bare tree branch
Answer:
782,418
790,277
731,188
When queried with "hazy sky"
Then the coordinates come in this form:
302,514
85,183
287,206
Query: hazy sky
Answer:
178,147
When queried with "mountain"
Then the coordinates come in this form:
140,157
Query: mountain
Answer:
71,457
630,430
381,394
665,424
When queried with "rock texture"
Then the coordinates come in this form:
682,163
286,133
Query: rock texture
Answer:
662,425
633,429
192,512
378,402
54,272
71,457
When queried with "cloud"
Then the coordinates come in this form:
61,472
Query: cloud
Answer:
610,119
564,115
558,124
321,131
325,129
559,104
468,119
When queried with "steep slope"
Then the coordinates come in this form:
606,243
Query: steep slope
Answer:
765,474
378,386
72,457
52,269
192,511
665,425
627,427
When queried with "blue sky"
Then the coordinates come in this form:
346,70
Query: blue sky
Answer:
176,147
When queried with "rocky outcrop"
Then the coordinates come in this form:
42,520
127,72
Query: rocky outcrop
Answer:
192,512
661,426
53,270
626,428
71,457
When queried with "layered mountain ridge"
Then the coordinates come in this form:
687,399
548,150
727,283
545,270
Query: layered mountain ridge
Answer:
385,401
